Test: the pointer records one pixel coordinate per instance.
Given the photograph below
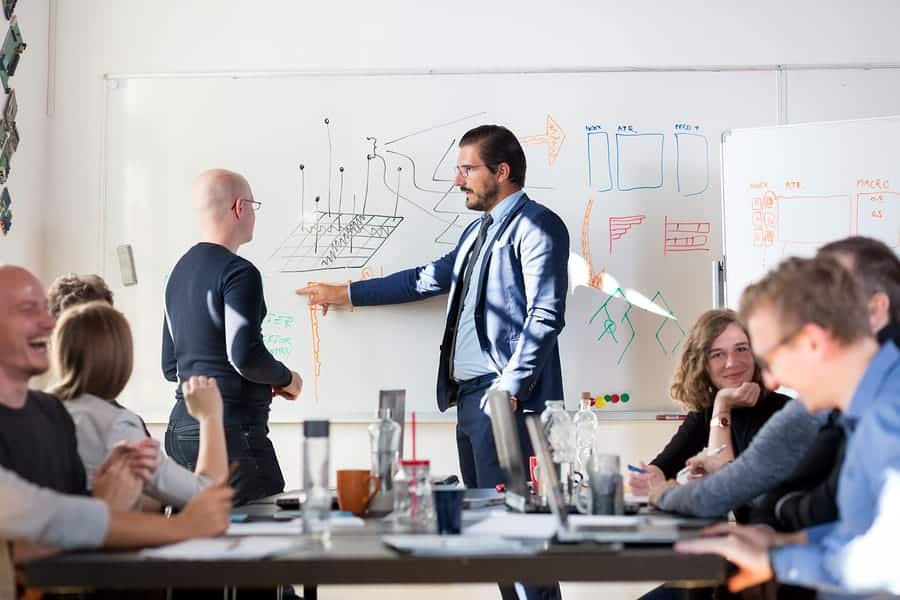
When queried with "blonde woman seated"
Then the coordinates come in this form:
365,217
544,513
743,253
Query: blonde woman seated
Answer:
720,385
92,357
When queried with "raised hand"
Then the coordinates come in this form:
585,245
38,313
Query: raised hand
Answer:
202,398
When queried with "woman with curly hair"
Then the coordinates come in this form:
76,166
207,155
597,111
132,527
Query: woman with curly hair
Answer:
720,384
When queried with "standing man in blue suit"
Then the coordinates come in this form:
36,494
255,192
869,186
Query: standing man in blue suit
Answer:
507,280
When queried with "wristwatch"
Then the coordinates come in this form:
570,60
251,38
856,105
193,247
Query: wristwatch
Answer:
720,422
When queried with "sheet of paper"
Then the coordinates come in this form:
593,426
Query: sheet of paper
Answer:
515,526
633,499
224,548
289,527
292,527
607,520
453,545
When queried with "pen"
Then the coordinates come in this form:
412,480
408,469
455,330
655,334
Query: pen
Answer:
716,451
635,469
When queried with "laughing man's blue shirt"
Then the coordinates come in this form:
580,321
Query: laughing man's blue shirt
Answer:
872,424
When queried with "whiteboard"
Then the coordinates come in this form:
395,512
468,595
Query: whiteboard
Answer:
629,160
790,189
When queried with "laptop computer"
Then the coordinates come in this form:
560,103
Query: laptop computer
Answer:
603,529
509,454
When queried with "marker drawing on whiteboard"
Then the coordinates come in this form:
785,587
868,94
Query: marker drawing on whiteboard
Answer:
397,200
328,129
316,344
302,194
340,195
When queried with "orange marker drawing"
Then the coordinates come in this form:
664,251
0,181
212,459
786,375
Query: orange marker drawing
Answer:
596,280
316,345
553,136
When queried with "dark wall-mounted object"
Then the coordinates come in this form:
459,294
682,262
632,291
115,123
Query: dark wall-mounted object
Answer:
5,211
8,7
12,48
9,135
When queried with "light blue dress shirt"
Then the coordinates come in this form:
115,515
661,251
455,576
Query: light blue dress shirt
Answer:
872,424
469,360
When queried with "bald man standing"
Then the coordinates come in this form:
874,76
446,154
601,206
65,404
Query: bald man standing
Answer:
213,326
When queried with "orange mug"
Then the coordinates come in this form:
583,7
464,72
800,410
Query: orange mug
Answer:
355,489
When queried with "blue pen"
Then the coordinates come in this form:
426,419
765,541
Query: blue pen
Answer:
635,469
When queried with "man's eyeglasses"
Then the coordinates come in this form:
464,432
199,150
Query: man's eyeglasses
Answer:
764,360
255,205
464,170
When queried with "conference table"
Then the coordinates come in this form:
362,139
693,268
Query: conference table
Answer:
357,555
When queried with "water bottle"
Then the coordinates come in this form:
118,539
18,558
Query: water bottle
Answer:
585,432
317,505
413,500
560,433
384,442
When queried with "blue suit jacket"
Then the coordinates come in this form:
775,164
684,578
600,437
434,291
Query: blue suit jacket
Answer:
521,305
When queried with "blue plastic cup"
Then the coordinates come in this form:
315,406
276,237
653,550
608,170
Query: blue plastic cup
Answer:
448,504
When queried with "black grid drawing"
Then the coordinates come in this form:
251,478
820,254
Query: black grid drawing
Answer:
335,241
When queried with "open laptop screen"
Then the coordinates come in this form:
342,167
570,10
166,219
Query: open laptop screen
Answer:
509,451
548,472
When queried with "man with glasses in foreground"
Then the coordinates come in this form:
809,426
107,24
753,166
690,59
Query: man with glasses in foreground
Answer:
214,308
809,324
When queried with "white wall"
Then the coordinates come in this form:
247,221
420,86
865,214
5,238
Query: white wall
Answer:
24,245
134,36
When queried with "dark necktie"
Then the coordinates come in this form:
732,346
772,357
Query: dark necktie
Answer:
463,287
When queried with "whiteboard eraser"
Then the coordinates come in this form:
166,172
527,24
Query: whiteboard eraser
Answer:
126,264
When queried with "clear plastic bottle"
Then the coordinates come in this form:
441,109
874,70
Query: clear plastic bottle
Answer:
317,504
413,500
585,422
384,443
560,432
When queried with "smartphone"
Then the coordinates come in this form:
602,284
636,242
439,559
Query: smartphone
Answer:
288,502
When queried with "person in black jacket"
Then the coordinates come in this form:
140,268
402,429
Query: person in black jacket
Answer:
808,498
214,309
719,382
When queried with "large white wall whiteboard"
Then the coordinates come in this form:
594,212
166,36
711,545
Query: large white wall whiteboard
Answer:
629,160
